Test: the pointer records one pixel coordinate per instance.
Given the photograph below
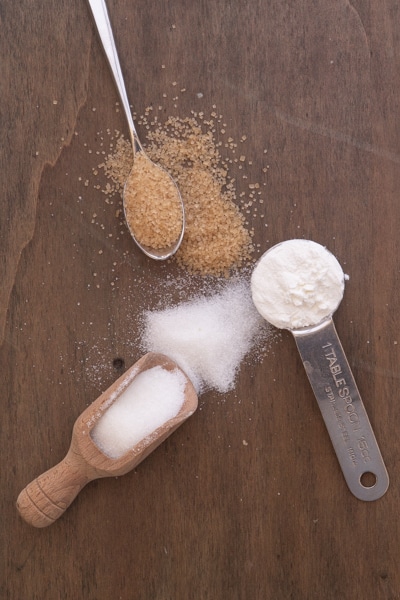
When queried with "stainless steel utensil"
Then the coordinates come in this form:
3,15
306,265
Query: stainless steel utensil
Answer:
323,357
343,410
102,21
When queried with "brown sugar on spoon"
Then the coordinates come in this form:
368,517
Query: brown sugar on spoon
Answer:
217,237
152,207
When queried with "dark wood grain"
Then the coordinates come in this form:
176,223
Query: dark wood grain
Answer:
206,516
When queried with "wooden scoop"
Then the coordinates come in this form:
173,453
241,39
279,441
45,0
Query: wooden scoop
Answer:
47,497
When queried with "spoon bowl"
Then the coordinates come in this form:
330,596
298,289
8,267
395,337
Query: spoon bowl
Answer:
169,235
47,497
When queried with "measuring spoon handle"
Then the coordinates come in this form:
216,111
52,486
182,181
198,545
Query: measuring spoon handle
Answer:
343,410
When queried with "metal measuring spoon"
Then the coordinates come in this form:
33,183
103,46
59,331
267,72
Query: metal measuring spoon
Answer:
323,358
102,21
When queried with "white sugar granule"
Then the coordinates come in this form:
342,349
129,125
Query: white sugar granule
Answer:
152,399
207,337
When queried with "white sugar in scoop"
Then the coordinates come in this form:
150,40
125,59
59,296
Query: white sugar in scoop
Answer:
298,285
113,435
154,397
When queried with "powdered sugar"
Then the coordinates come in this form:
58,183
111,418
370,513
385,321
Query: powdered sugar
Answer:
296,284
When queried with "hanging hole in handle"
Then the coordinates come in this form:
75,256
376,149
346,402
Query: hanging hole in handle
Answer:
368,479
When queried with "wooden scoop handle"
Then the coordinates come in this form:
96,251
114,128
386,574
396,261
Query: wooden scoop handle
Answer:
46,498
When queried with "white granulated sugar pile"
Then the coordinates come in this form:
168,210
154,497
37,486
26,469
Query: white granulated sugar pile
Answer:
207,337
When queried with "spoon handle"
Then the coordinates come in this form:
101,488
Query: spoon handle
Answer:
343,410
103,24
48,496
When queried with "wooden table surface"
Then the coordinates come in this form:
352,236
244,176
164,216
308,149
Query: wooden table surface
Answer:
246,500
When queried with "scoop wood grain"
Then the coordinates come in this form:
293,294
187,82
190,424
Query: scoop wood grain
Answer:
46,498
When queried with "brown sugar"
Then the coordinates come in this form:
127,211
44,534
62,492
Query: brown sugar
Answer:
117,166
216,241
152,204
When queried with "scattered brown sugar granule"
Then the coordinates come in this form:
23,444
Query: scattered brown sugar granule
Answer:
152,204
216,240
118,165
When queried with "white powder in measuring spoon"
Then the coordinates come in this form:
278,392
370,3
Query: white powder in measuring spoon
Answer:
297,283
207,337
153,398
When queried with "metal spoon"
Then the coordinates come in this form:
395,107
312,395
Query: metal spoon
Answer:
102,21
338,397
